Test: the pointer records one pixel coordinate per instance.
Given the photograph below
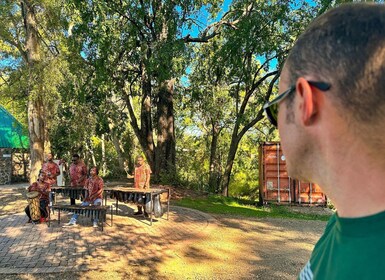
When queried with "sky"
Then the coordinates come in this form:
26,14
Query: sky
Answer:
203,19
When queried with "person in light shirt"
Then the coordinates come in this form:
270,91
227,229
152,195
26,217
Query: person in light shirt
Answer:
141,177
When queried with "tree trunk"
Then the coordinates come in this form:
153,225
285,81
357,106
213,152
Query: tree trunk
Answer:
104,163
36,122
118,148
91,152
47,142
236,137
36,137
144,133
214,173
146,138
229,164
165,149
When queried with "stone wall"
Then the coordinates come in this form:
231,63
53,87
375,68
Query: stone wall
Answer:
20,165
5,166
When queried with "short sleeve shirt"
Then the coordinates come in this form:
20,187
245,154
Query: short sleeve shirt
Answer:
76,172
53,169
142,173
94,187
350,248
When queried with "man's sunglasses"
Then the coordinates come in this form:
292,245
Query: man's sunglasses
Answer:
271,107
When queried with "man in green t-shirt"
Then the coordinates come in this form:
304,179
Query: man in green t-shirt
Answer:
331,121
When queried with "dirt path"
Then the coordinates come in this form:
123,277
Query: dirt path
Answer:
226,248
239,248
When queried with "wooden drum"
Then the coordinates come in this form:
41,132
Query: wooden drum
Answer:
34,205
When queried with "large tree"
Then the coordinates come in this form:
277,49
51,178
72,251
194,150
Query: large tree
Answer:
244,66
138,48
29,53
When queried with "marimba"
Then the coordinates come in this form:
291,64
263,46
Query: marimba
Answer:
92,211
78,193
138,196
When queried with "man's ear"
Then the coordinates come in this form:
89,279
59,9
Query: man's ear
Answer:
308,101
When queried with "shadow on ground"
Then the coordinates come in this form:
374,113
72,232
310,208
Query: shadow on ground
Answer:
190,245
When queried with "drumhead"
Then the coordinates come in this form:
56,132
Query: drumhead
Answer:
32,194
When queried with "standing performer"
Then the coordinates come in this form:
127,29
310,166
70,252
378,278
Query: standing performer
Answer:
78,174
141,178
94,186
51,170
43,189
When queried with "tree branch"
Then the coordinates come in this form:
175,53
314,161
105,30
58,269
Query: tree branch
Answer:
251,91
260,112
214,29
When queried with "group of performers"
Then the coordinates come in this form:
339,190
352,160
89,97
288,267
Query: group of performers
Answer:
78,177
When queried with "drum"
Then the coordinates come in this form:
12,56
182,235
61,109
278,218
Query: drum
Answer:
34,205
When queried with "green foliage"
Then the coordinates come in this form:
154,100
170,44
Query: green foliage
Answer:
95,56
244,208
232,77
192,162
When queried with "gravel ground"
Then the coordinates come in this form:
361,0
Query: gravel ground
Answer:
230,248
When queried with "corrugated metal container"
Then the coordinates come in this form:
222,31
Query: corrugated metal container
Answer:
276,186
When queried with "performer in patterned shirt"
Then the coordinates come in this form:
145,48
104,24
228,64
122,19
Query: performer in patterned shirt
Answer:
141,178
51,170
94,186
44,189
78,174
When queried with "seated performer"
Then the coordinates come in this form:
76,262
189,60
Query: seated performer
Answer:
94,187
44,189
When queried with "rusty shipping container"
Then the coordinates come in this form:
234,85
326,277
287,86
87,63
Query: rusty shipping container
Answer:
276,186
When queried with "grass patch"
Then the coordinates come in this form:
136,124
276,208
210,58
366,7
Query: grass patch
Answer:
245,208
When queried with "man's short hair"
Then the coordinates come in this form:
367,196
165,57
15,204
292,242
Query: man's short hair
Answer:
76,156
346,48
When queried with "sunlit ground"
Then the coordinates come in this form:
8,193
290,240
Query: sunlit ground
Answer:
221,248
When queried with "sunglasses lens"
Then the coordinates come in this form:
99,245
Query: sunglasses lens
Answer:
272,113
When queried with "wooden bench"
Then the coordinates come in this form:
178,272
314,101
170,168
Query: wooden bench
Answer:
95,212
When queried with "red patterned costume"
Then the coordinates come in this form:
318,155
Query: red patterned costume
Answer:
78,174
142,176
94,186
42,187
51,171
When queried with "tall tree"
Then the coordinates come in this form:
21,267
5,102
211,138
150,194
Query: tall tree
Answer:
138,47
246,61
36,118
209,94
25,40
